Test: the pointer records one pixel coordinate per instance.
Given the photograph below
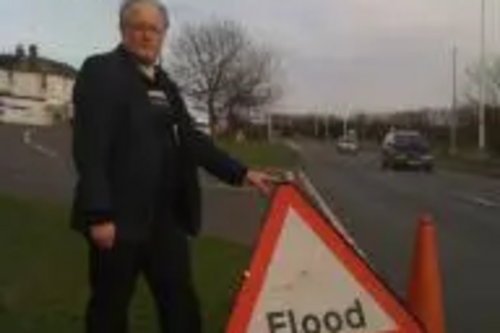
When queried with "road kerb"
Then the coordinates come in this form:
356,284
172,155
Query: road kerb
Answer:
310,188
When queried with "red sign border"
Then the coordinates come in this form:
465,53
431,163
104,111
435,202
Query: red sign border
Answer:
290,195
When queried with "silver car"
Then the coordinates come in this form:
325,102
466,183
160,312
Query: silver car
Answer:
348,145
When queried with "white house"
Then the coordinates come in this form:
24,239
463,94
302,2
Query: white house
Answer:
34,90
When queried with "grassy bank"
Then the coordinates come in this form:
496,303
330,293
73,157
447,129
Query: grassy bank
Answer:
43,273
471,163
261,153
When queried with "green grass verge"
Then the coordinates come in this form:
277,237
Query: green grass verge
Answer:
470,162
43,286
488,169
261,153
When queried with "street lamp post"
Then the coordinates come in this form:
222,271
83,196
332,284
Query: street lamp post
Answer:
482,84
316,125
346,120
269,125
327,126
453,117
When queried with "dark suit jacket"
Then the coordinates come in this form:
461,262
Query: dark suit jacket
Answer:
116,153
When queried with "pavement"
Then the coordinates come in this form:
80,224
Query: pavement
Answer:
380,209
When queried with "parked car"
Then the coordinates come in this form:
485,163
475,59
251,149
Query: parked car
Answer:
347,145
406,148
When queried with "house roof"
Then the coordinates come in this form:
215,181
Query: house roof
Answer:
37,65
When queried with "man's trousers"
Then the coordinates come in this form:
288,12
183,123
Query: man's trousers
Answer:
164,260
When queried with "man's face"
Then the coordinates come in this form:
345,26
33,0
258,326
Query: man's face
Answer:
143,32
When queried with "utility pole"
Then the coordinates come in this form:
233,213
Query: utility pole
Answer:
316,125
327,126
346,120
269,126
454,116
290,124
482,84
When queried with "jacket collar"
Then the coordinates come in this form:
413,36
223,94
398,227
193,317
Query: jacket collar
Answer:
133,64
126,54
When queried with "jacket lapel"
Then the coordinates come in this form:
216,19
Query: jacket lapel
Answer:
181,115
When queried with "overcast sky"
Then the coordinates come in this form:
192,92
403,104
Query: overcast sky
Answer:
338,54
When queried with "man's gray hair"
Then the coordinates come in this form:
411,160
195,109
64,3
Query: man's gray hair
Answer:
127,4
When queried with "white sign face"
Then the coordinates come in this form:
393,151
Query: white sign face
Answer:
308,289
306,278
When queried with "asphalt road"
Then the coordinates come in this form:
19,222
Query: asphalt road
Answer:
36,162
380,210
27,171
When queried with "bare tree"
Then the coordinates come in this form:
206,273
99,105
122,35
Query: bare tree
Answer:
223,72
492,83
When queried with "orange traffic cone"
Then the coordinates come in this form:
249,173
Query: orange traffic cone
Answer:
425,291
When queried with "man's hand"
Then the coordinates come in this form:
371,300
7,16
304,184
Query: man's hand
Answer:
103,234
261,180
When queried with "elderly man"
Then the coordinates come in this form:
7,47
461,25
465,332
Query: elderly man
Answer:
137,199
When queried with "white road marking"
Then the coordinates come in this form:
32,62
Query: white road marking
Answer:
486,202
28,140
294,146
477,200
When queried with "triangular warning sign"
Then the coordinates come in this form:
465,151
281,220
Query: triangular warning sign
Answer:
305,277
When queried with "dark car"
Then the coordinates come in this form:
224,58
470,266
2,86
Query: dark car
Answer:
406,149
